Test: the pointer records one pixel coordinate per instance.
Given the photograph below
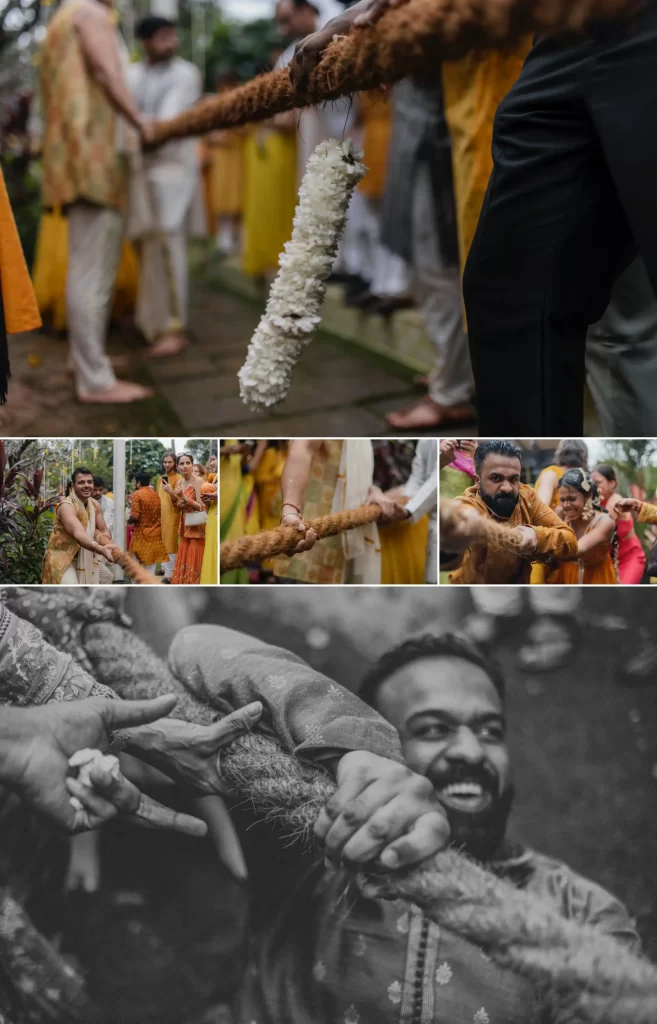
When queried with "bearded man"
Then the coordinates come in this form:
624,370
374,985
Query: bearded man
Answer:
80,539
427,744
498,493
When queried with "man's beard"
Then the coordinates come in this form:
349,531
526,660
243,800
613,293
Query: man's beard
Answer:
501,504
477,833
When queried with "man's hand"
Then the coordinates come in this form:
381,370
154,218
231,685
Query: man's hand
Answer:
382,813
106,551
456,537
373,10
310,50
37,743
528,538
391,510
628,505
146,131
189,754
307,539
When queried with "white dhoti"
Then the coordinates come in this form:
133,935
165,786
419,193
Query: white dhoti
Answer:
438,290
94,251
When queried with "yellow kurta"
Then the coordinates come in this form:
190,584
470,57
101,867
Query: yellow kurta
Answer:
482,564
51,264
210,567
227,175
376,116
538,572
232,507
404,552
591,569
473,88
270,195
170,514
19,304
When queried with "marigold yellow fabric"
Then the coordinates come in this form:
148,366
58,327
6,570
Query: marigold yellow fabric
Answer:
473,88
18,299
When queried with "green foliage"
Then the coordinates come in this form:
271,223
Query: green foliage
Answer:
632,460
143,456
25,523
241,50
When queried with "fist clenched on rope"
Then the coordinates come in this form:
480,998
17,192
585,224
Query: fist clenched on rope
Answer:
461,526
383,813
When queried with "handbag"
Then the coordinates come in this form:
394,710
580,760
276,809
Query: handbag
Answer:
196,518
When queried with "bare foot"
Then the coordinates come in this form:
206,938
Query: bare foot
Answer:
168,345
427,414
123,362
120,393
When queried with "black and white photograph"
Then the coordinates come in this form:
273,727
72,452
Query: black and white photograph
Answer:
317,806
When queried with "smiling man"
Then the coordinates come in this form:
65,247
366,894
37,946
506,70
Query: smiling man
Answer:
498,492
80,539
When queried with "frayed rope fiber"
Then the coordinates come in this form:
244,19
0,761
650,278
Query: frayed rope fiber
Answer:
408,40
584,976
249,550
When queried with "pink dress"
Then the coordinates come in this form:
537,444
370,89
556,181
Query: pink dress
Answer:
631,556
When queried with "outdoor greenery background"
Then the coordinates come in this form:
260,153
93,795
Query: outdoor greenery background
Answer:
33,472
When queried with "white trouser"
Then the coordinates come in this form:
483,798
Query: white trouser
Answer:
169,566
155,310
361,253
94,250
150,568
438,291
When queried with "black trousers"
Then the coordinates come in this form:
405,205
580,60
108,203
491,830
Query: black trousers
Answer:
572,198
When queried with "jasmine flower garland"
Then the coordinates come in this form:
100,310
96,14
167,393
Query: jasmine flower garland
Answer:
296,296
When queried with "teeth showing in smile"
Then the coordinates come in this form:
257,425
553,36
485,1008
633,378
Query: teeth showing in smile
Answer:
463,789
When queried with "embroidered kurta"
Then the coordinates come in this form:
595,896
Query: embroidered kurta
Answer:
146,541
325,562
81,158
480,564
62,548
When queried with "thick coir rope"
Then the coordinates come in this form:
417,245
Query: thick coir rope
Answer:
133,569
409,40
584,976
249,550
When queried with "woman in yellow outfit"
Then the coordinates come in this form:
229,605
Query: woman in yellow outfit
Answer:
50,266
270,193
594,528
18,302
232,502
267,468
571,453
210,566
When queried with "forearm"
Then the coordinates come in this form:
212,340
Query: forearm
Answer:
558,541
296,473
14,737
31,670
648,513
111,82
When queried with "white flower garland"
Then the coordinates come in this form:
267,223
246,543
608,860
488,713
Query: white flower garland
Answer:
293,308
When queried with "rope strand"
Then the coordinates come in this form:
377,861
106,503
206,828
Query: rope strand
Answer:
248,550
408,40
